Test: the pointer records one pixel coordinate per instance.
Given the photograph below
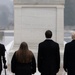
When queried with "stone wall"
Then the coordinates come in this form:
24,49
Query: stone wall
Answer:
35,2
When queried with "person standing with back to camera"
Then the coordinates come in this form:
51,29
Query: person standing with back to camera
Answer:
69,56
2,57
23,61
48,56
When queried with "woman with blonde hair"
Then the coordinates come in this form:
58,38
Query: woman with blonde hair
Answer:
23,61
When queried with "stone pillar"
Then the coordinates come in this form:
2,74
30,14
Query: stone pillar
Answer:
60,25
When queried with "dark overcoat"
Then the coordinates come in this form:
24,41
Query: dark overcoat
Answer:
48,57
2,55
69,58
23,68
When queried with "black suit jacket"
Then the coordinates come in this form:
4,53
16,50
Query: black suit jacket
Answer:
48,57
69,56
2,55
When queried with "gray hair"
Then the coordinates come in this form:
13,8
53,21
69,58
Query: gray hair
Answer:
73,35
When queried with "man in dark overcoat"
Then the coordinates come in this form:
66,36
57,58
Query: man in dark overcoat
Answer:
69,56
48,56
2,57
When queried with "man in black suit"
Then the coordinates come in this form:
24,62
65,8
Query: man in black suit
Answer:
69,57
2,57
48,56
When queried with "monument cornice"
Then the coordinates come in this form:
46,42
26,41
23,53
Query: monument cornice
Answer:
39,2
38,6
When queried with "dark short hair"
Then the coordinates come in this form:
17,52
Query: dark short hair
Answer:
48,34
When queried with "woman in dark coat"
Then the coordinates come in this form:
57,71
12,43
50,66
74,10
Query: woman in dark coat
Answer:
23,61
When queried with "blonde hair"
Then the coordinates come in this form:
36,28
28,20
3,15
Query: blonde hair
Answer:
73,35
24,55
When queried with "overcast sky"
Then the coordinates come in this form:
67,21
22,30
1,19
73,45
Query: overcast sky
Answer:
6,2
6,13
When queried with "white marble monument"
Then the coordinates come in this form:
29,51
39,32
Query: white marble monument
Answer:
33,17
